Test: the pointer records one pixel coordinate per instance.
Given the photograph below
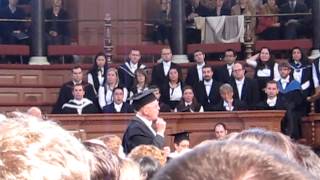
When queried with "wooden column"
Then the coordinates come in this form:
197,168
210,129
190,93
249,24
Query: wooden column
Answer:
107,37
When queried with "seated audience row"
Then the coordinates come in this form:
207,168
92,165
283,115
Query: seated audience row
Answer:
56,154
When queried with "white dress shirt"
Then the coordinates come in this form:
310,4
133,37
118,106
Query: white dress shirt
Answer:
118,107
239,84
314,75
226,106
148,124
284,82
199,70
166,67
229,67
175,93
272,102
208,85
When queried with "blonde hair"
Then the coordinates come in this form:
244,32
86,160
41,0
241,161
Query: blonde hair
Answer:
36,149
113,142
148,150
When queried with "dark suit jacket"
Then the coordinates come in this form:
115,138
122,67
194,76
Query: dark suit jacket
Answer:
221,74
126,108
65,95
126,76
223,12
137,134
237,106
158,77
6,28
208,101
89,109
299,8
250,91
192,78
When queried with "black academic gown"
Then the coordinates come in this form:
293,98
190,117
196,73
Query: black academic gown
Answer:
249,94
192,78
71,108
290,123
137,134
65,95
126,108
221,74
126,76
237,106
158,77
208,101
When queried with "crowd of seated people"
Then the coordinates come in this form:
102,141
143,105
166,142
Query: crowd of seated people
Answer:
34,148
261,27
286,85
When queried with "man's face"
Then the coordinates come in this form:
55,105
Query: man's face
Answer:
207,73
238,71
118,96
134,56
229,57
271,90
78,92
199,57
183,145
220,132
284,72
166,55
157,93
13,2
77,75
57,3
151,110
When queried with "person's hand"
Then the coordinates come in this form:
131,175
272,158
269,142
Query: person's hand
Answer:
161,126
276,25
53,33
166,150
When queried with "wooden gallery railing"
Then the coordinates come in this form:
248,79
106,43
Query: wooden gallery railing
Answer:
200,124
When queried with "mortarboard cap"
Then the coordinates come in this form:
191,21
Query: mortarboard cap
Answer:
143,98
178,137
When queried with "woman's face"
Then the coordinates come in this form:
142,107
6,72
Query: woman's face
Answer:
111,77
264,55
141,78
173,75
101,61
188,95
296,55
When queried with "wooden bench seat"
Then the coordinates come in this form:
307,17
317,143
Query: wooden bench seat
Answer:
284,44
213,48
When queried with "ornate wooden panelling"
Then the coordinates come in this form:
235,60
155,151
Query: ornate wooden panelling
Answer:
200,124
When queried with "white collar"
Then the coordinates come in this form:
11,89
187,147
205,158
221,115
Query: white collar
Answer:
200,65
208,83
118,106
79,102
166,63
286,80
230,66
240,81
187,104
145,120
74,83
272,102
